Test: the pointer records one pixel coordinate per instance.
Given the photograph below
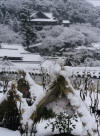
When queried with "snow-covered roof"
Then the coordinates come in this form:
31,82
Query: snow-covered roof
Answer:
42,17
47,14
17,47
9,53
31,57
43,20
65,21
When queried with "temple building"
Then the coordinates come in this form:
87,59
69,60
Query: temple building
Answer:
40,19
43,18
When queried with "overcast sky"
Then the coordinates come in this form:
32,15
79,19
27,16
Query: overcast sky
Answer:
95,2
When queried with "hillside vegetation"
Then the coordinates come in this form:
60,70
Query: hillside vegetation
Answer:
83,16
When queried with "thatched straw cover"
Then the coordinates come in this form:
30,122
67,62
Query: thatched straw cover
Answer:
58,89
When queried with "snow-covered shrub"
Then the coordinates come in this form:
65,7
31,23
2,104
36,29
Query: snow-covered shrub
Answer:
59,37
90,33
9,36
63,123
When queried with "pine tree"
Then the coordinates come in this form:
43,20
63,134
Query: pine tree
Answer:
27,29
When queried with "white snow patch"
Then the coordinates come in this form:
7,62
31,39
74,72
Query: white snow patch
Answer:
7,132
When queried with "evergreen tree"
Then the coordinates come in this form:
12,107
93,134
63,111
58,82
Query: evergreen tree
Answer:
27,29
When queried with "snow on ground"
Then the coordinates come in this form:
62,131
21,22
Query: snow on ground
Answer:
38,91
41,131
7,132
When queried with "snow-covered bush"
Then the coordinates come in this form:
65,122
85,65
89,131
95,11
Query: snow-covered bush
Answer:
90,33
68,37
9,36
63,123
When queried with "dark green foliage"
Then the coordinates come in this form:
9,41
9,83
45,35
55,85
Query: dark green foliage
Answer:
27,29
28,34
63,123
9,114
